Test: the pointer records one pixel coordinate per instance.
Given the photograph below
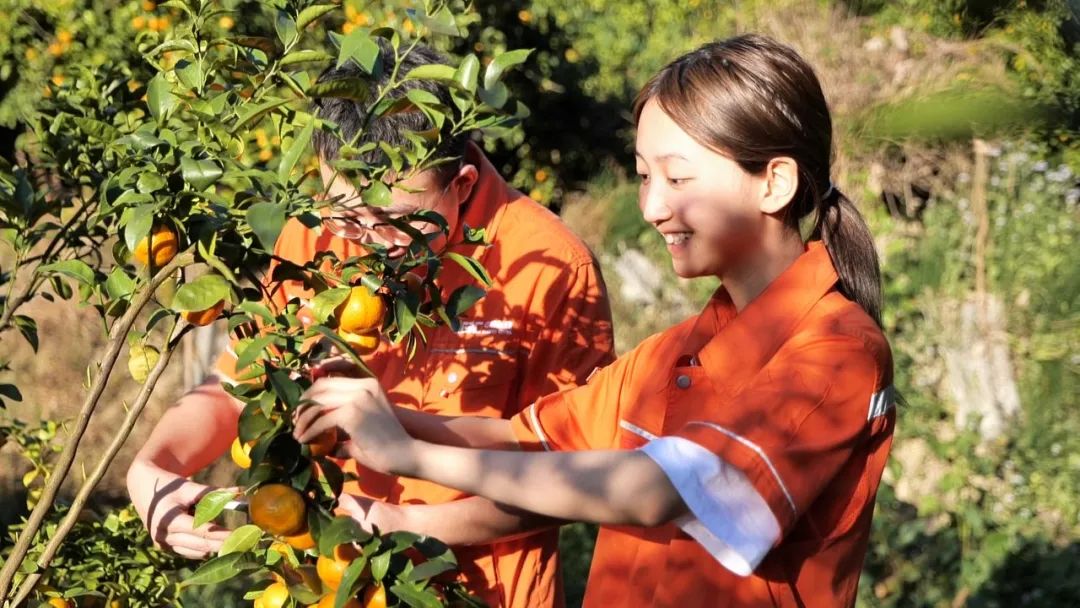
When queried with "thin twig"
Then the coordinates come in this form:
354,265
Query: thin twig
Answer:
67,457
70,519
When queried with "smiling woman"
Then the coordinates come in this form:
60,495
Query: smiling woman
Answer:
733,459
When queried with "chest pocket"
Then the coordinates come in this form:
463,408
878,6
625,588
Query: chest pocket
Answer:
476,375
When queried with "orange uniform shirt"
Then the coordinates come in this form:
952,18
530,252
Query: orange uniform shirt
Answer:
795,392
543,326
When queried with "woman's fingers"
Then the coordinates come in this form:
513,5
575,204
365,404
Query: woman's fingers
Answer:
308,414
322,423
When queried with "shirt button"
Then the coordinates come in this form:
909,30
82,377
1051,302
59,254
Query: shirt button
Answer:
682,382
451,377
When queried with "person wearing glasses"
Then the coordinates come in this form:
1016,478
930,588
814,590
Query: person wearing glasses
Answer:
543,326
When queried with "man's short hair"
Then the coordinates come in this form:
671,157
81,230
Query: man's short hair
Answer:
351,114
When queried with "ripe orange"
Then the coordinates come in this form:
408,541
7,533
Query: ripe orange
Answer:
241,454
59,602
327,601
375,597
362,344
331,569
278,509
363,311
324,443
165,246
274,596
205,316
302,541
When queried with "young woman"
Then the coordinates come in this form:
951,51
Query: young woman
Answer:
733,459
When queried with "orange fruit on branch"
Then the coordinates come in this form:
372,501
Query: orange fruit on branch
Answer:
331,569
274,596
204,317
161,245
278,509
302,541
375,597
324,443
363,311
362,344
241,454
327,601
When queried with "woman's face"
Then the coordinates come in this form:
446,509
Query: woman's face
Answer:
703,203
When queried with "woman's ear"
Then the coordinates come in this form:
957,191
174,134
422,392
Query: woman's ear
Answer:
781,184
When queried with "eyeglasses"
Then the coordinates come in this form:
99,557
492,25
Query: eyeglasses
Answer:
349,226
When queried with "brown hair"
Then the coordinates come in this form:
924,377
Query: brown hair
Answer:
754,99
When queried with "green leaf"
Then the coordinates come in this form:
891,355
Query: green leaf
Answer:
220,569
255,308
211,505
503,62
293,153
323,304
415,598
442,22
342,529
190,73
242,540
463,299
345,88
433,71
137,222
311,13
200,173
28,328
75,269
467,73
142,359
286,28
202,293
266,220
304,55
496,96
359,47
10,391
377,194
348,580
159,98
429,569
285,387
472,266
247,354
119,284
150,182
380,564
405,312
251,113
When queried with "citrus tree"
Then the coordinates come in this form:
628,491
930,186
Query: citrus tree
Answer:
158,198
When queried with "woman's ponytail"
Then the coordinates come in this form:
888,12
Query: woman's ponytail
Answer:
851,246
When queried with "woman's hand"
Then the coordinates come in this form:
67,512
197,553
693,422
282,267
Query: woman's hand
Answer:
359,408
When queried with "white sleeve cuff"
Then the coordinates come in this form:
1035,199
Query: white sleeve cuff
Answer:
727,515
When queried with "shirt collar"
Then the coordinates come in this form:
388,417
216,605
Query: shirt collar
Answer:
733,347
485,209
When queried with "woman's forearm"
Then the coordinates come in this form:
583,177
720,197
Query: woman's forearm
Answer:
460,431
606,487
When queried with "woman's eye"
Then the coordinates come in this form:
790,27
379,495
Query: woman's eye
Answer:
678,181
644,177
